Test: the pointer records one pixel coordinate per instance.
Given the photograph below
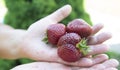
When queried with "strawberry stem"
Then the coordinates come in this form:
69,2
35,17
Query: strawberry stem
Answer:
82,45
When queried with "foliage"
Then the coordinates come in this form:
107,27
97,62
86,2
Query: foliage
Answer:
7,64
22,13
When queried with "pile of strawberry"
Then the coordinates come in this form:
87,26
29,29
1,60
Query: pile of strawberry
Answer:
71,40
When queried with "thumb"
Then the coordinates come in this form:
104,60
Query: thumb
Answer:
41,25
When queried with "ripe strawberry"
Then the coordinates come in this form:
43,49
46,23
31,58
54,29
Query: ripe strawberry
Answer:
69,38
54,32
69,53
79,26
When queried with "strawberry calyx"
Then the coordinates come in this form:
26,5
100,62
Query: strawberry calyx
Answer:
82,46
45,39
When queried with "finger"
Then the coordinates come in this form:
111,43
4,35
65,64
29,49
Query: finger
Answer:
97,49
100,38
82,62
95,69
29,66
96,28
107,64
85,62
41,66
111,69
98,67
84,69
60,14
41,25
99,58
111,63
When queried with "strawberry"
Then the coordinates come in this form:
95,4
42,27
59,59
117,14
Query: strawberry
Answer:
80,27
69,38
54,32
72,53
69,53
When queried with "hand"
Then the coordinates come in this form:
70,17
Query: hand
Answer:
107,65
32,46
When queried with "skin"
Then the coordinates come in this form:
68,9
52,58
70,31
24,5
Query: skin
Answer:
28,44
56,66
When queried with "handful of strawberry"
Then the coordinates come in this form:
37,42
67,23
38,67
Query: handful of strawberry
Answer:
71,40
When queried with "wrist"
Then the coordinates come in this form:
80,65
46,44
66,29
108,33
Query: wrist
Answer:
10,44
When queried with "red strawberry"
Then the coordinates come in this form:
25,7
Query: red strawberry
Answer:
54,32
79,26
69,53
69,38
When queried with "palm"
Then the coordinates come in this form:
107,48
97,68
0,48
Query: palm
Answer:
33,47
37,49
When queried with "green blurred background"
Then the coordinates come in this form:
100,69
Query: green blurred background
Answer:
22,13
